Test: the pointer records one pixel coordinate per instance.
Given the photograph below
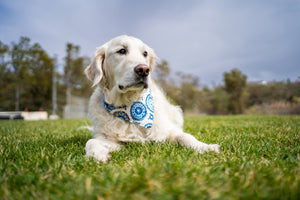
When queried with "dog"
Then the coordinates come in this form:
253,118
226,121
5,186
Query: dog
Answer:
127,105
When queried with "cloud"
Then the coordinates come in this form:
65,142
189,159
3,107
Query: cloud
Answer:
216,37
205,38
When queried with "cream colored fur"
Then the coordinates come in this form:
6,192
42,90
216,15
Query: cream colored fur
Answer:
108,71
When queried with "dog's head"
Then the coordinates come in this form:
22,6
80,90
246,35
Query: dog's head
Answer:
124,64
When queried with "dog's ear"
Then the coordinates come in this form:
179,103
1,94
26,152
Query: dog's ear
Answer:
95,71
153,57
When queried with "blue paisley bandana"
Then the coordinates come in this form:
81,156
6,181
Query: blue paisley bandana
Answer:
140,112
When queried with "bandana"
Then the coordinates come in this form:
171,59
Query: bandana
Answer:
140,112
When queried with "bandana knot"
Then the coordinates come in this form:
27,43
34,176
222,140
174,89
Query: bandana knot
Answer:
140,112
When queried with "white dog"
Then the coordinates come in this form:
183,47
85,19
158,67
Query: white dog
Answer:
127,105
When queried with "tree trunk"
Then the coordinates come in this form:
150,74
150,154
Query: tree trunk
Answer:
17,96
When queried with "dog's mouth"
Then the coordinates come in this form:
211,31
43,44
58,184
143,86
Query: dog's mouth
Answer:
143,84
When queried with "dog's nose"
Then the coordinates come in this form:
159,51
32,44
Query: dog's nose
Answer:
142,70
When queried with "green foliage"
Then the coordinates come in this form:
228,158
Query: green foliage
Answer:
38,80
20,61
26,74
26,82
272,92
232,98
74,77
235,84
6,79
259,159
219,101
3,51
183,91
161,73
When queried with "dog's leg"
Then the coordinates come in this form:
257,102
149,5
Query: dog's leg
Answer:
190,141
99,149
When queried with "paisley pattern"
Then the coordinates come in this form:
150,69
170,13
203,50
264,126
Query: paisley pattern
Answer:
140,112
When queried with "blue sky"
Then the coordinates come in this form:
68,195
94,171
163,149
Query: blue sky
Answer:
203,37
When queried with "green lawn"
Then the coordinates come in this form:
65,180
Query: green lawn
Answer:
259,159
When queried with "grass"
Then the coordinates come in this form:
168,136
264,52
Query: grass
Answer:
259,160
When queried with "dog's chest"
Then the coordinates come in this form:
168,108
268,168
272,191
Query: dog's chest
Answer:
125,131
112,126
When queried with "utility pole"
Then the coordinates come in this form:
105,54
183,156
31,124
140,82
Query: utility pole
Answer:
54,104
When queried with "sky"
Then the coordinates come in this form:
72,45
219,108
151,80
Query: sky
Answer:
202,37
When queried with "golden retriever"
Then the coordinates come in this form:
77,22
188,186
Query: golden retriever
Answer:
127,106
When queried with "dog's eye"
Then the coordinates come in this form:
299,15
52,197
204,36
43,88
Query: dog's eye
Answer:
122,51
145,53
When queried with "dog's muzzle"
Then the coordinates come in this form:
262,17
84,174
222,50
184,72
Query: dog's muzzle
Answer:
141,72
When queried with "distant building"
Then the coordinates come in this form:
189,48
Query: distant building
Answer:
76,107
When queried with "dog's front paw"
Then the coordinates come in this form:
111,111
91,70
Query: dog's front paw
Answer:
208,148
214,148
96,151
98,156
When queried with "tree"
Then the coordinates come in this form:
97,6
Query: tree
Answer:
235,84
219,101
161,74
19,60
72,54
3,53
7,88
25,76
38,89
189,94
74,77
3,63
